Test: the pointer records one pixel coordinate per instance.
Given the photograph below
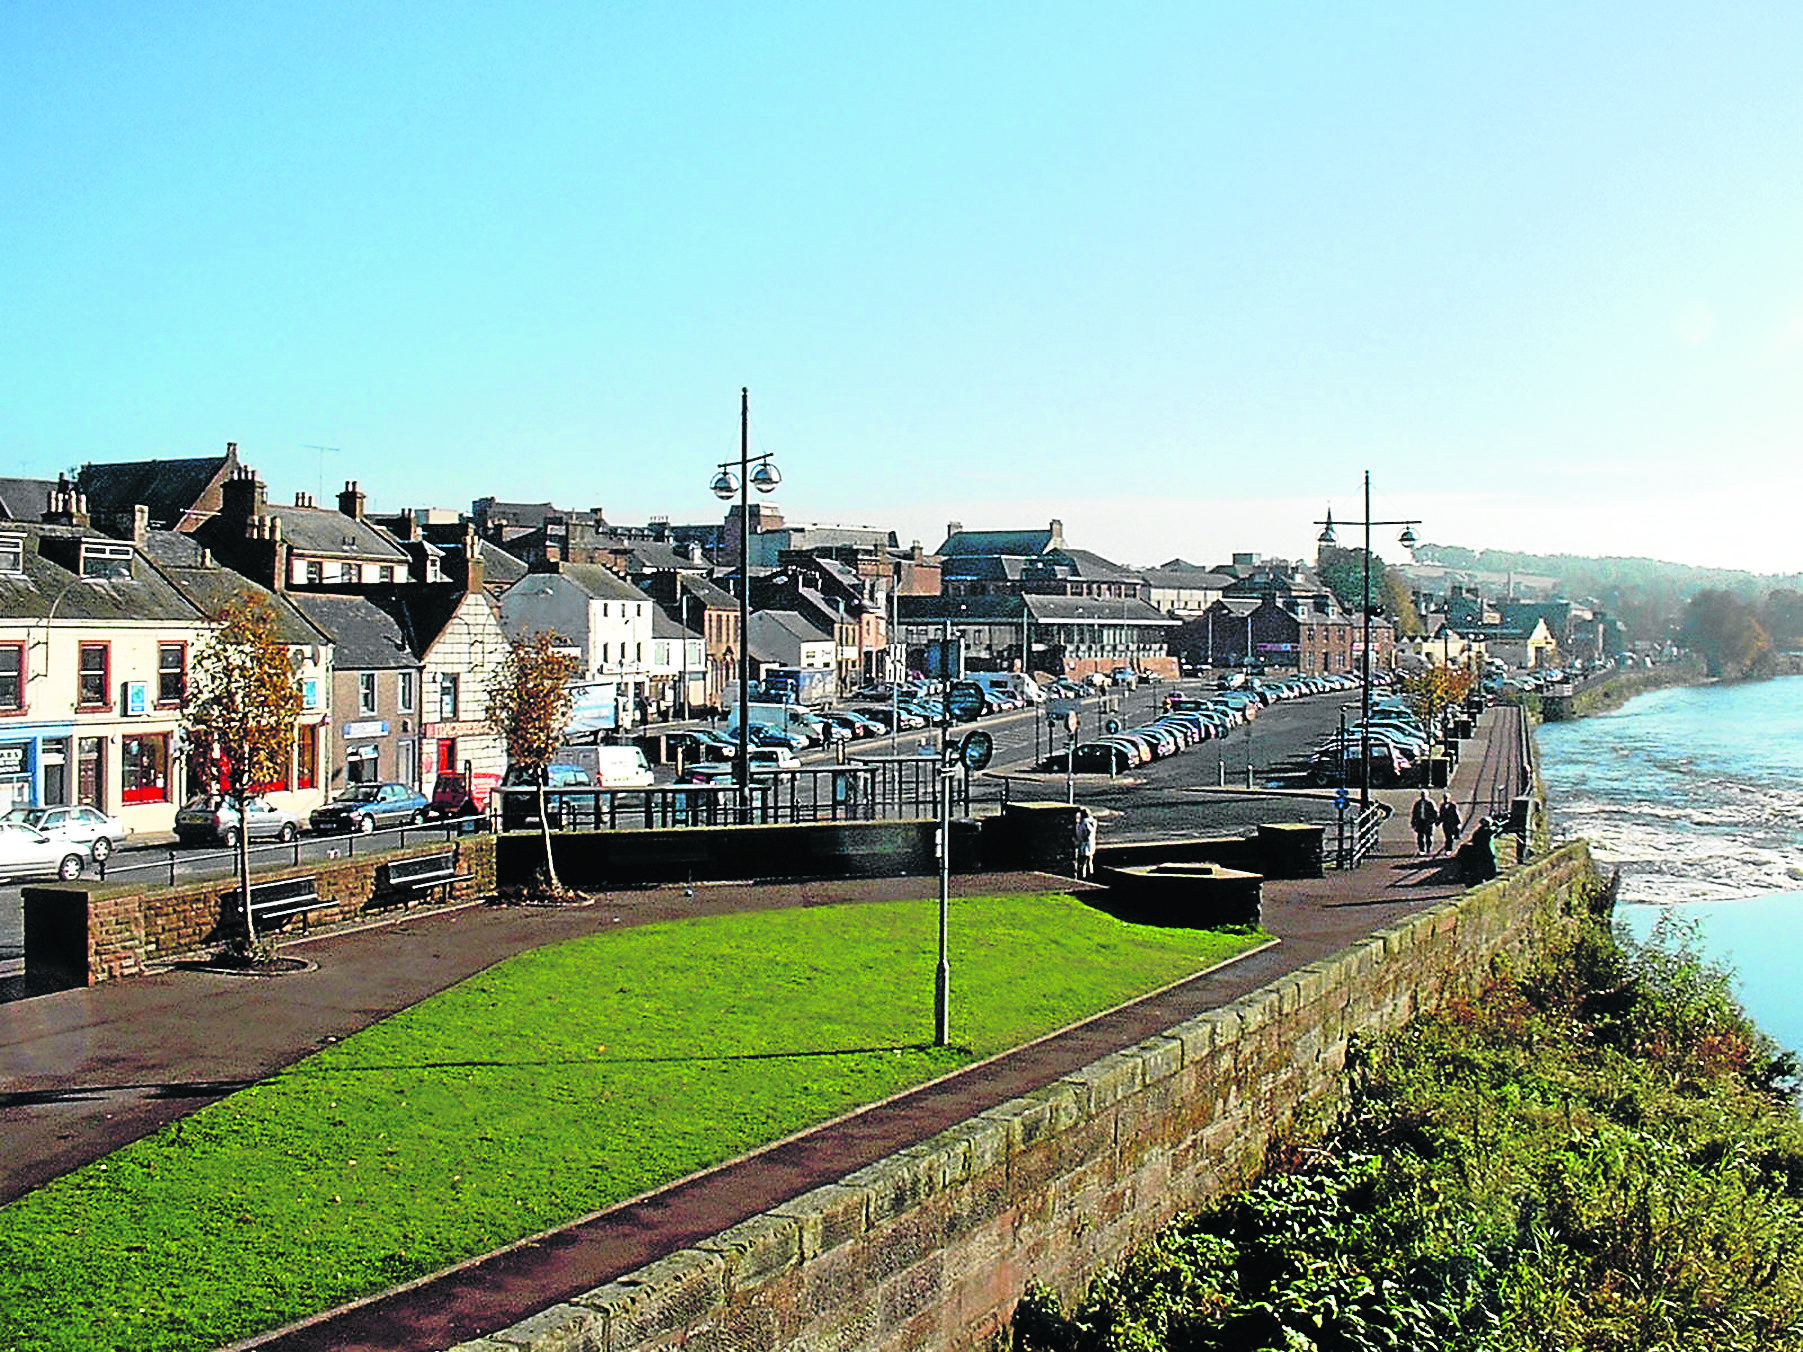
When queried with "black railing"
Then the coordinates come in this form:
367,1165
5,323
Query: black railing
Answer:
1357,835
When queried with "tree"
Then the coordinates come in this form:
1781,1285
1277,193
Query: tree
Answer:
529,704
242,702
1433,690
1726,633
1342,571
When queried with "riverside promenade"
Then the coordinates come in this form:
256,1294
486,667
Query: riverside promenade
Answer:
83,1072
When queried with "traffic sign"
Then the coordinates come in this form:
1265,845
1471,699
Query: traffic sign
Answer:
964,701
1341,798
978,750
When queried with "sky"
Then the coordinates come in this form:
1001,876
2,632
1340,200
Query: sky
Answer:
1178,275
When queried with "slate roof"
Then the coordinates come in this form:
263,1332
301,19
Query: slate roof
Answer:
1095,610
598,582
1013,543
47,589
664,625
325,530
1092,567
366,637
25,499
211,586
171,489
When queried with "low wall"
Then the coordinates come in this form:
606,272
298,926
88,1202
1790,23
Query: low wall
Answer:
77,934
934,1246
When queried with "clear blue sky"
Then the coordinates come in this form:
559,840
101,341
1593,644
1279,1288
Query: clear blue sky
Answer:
1175,274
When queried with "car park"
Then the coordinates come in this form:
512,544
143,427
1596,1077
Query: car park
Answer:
78,824
26,852
212,819
363,808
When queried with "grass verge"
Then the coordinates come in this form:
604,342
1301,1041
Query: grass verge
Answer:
555,1084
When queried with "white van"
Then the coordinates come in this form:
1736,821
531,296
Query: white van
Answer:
1016,683
622,767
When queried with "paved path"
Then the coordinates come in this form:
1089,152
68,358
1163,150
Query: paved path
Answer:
83,1072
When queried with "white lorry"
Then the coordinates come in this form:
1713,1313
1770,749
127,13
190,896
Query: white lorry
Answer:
791,718
1016,683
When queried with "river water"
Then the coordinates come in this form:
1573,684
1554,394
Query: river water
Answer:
1696,794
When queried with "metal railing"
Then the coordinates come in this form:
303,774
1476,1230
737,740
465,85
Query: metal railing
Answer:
1356,835
175,864
898,788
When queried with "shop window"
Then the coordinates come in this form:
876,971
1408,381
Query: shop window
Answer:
12,677
144,768
306,756
366,692
361,765
172,672
92,679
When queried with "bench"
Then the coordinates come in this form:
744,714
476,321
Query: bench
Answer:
424,873
284,897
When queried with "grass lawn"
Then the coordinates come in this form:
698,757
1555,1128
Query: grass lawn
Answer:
555,1084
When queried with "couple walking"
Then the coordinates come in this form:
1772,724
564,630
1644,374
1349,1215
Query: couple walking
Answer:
1424,817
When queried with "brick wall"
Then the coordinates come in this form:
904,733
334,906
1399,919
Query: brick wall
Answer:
934,1246
77,934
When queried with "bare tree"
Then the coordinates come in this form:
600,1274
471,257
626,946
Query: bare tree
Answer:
529,704
242,701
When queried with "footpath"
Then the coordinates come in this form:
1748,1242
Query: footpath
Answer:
83,1072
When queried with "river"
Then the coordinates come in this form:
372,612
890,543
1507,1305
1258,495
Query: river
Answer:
1696,794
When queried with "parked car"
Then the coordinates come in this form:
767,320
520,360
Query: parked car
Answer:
519,810
452,797
28,853
364,807
212,819
79,825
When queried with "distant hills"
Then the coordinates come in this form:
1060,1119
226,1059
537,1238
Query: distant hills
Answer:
1647,595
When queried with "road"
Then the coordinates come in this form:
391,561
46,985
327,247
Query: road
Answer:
1201,791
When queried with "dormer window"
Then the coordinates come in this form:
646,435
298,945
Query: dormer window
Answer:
100,559
12,554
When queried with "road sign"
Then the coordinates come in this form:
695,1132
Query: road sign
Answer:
1113,726
978,750
964,701
1341,798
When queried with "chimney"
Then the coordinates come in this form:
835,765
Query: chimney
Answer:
140,523
953,528
351,501
242,497
472,559
303,499
1057,541
66,507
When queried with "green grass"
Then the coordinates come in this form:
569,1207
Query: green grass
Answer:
555,1084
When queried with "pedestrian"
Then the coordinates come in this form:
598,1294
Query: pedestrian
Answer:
1424,817
1086,843
1450,822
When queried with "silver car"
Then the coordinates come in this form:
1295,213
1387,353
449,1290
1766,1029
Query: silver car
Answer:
213,819
28,853
79,825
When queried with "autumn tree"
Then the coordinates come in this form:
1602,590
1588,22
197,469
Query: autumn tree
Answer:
1342,571
1726,633
243,698
529,703
1431,691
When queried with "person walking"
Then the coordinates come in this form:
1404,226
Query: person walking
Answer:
1086,843
1424,817
1450,823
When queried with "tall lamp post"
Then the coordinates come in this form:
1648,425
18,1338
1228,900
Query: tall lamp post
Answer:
725,485
1407,541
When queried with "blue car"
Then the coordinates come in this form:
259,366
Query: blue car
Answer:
364,807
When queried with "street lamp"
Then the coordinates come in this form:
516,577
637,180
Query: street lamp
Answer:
764,478
1407,541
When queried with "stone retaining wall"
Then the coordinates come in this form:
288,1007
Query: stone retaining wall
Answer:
933,1247
80,933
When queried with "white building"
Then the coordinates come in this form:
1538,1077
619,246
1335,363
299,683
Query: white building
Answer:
606,621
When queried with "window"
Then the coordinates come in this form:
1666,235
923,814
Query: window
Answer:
92,678
144,768
316,572
306,760
366,692
404,691
361,765
99,559
447,697
12,554
387,573
349,572
12,677
172,672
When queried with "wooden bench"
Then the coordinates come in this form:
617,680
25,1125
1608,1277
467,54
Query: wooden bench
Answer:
284,897
423,874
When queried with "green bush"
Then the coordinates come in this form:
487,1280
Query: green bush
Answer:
1601,1154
